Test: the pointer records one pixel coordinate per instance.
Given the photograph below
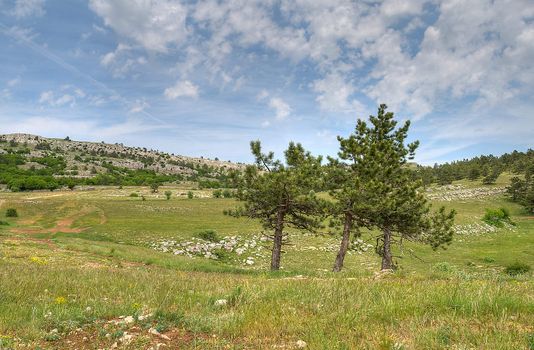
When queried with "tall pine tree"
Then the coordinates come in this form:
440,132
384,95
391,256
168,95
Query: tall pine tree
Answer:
378,189
281,195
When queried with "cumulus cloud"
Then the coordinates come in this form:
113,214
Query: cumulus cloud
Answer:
157,25
183,88
281,108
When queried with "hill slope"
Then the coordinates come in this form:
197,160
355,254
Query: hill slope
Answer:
25,155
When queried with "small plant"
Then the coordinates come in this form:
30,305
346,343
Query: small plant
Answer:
168,194
488,260
12,213
135,195
143,198
190,195
217,194
4,223
444,267
497,217
517,268
209,235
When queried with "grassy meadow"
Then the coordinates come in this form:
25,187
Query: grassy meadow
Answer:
87,269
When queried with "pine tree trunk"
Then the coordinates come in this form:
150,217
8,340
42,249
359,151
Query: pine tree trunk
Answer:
277,241
387,257
338,265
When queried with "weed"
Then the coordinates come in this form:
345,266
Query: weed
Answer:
12,213
517,268
208,235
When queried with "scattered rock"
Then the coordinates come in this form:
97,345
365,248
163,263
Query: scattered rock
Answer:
301,344
221,302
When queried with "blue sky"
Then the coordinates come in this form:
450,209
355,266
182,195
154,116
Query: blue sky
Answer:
205,78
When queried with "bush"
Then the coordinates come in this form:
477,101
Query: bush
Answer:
227,193
497,217
4,223
12,213
190,195
168,194
217,194
517,268
209,235
134,195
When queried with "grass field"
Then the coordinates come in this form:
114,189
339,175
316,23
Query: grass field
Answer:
87,269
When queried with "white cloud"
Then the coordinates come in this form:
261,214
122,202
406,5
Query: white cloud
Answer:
183,88
139,106
13,82
28,8
281,108
335,94
155,24
122,61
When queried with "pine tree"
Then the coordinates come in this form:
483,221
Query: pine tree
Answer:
383,189
281,195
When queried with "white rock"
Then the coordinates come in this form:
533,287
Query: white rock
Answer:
221,302
301,344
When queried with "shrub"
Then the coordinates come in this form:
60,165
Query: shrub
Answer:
168,194
209,235
497,217
12,213
190,194
4,223
517,268
217,194
227,193
134,195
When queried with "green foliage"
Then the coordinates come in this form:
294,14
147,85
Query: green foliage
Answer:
209,235
375,187
497,217
517,268
279,195
4,223
190,194
134,195
12,213
154,186
217,194
168,195
522,190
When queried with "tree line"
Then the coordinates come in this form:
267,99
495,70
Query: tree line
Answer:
369,185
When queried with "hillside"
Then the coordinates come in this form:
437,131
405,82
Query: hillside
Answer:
145,278
24,155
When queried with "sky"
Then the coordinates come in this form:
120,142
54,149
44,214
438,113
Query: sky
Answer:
204,78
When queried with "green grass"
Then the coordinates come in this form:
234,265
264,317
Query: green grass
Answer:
77,281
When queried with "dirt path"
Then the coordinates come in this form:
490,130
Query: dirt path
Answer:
63,225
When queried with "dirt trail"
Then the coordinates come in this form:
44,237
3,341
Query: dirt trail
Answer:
63,225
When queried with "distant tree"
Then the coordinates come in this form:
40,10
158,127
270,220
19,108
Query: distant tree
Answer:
522,190
67,138
154,187
12,213
168,194
474,173
491,177
281,195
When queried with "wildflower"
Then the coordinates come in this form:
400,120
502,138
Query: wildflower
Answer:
61,300
37,260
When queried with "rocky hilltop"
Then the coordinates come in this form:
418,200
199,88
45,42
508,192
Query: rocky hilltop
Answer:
85,159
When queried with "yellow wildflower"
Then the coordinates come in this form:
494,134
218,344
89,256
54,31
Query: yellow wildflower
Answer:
61,300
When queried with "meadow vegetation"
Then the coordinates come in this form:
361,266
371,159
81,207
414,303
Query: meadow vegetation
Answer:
189,266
